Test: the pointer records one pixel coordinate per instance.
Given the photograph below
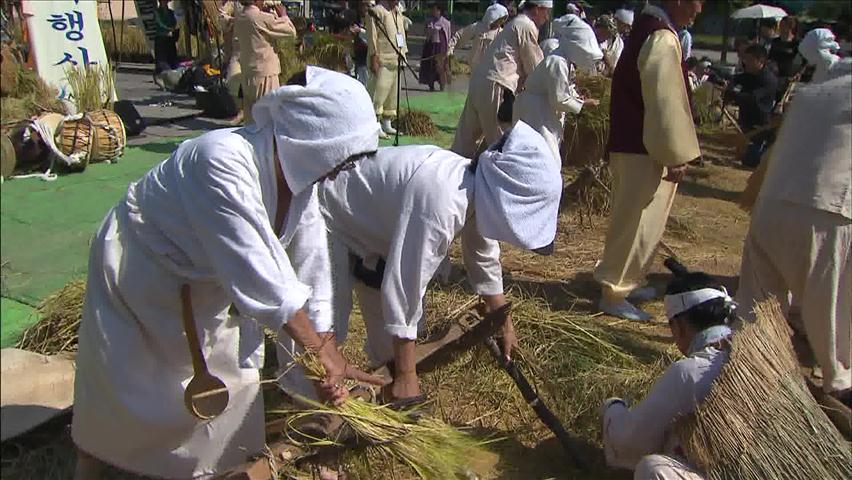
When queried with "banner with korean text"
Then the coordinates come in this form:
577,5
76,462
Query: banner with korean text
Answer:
63,34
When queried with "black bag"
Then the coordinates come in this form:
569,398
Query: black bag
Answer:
504,113
217,102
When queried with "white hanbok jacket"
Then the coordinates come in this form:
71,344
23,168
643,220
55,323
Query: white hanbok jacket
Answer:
406,205
645,429
548,96
203,217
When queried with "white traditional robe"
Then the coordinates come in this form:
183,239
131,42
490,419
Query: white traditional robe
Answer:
204,218
406,205
629,434
548,96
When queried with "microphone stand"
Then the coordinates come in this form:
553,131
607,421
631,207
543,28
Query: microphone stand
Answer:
400,60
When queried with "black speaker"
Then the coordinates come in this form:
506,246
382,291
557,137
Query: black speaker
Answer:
134,124
217,102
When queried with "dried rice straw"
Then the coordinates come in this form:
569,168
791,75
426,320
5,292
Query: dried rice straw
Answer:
759,420
57,330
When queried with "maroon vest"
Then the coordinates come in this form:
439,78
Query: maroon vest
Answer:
626,108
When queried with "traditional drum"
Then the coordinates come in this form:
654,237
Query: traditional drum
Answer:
76,138
109,135
8,159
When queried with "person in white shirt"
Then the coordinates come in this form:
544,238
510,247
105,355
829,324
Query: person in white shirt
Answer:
500,76
819,48
232,215
685,42
799,243
550,92
610,42
480,34
392,220
641,437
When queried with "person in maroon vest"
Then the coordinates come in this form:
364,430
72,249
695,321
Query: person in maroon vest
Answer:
652,138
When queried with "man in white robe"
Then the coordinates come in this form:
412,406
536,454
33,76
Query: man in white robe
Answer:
480,34
498,78
234,215
642,438
800,239
550,93
393,217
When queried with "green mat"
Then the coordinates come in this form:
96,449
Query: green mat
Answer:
46,227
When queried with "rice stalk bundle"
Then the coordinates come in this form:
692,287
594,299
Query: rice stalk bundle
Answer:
32,97
326,51
705,105
60,318
586,134
417,123
458,67
759,420
91,87
132,46
432,449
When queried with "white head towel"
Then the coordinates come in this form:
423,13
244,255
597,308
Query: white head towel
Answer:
492,14
818,47
577,41
319,126
549,46
681,302
573,9
541,3
624,16
517,190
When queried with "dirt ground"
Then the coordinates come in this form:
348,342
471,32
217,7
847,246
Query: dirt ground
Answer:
576,356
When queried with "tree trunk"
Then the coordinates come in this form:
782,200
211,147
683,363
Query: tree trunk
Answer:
726,29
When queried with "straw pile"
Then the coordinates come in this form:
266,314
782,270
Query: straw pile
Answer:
60,318
759,420
585,136
429,447
417,123
30,97
589,193
326,51
458,67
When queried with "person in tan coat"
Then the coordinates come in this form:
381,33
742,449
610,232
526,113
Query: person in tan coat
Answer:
652,138
385,18
255,31
799,243
499,76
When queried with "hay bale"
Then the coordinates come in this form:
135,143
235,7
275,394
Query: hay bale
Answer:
417,123
586,135
458,67
60,318
8,159
9,67
759,420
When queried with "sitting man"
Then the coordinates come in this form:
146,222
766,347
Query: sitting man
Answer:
393,217
641,438
753,91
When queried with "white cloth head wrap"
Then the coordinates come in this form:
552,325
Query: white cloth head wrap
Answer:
539,3
577,41
573,9
549,46
681,302
624,16
319,126
818,47
492,14
517,190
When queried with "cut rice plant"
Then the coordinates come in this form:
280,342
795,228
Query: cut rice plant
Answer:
429,447
589,194
91,87
32,96
682,227
417,123
759,419
60,318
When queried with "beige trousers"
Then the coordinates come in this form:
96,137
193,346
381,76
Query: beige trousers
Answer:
641,201
253,89
805,252
478,120
662,467
383,89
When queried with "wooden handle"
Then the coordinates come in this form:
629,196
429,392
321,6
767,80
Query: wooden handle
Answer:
199,366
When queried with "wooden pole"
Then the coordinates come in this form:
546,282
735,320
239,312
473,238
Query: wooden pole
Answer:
726,29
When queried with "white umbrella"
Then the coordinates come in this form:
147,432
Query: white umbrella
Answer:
759,11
